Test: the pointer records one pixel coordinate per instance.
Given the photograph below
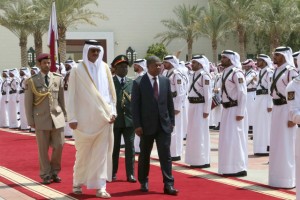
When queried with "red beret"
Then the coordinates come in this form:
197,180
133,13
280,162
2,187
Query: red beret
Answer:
43,56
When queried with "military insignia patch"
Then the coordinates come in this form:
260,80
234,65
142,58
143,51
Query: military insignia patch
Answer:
55,84
206,82
291,96
241,80
178,81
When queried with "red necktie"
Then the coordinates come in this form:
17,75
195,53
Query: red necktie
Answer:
155,88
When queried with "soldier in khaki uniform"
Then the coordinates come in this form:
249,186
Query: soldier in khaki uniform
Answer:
45,111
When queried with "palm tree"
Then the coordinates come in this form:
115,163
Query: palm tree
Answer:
184,28
69,14
214,25
38,25
278,19
14,17
238,12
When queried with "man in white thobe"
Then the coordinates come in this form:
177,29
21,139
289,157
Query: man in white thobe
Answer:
263,107
282,138
185,72
13,104
171,65
25,74
215,116
140,68
4,120
251,82
91,112
200,97
293,101
233,153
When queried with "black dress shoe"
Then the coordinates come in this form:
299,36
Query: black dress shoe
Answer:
238,174
131,179
170,190
200,166
144,187
56,178
114,177
46,180
177,158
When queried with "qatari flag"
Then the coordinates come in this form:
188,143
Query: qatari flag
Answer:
53,38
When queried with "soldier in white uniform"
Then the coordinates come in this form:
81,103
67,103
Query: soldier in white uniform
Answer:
25,74
69,64
200,97
178,91
4,119
251,82
185,72
293,101
34,70
13,104
263,107
140,68
233,153
282,138
217,107
295,57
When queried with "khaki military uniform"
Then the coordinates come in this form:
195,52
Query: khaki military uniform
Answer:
45,109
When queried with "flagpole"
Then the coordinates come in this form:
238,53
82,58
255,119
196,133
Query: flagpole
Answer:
57,41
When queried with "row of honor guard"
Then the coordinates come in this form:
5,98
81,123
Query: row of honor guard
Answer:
12,84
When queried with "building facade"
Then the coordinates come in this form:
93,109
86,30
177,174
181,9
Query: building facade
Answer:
131,23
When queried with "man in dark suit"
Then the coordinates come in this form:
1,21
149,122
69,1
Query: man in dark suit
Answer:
153,119
123,124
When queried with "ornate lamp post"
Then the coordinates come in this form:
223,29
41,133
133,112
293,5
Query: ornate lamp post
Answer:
31,57
131,54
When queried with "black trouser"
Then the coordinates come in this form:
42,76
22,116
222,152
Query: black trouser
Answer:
128,134
163,141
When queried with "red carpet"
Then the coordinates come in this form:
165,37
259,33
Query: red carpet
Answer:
19,153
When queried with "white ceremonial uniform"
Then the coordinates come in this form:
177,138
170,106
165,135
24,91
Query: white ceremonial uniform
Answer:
262,120
198,140
13,104
251,94
233,152
178,92
282,138
23,119
4,119
185,73
293,97
216,112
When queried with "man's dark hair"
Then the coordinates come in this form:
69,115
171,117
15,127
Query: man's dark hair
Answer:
152,59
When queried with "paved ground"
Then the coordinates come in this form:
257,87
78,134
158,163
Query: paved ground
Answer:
257,172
